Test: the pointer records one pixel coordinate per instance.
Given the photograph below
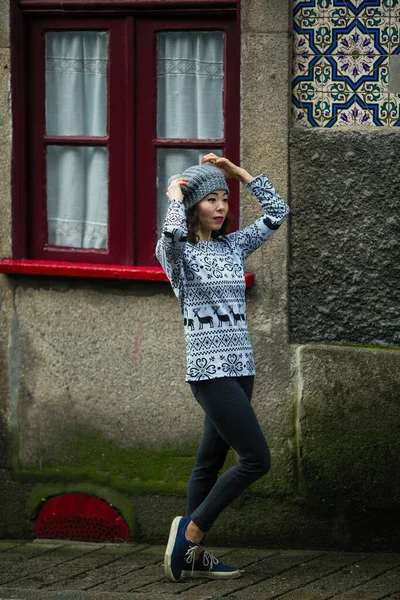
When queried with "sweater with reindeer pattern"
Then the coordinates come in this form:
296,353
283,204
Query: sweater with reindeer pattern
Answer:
208,280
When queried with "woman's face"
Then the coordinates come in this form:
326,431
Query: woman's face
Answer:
212,210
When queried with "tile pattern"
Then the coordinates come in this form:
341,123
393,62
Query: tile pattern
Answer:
341,51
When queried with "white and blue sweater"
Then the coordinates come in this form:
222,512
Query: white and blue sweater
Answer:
208,280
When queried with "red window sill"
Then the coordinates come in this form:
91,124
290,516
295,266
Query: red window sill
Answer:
95,271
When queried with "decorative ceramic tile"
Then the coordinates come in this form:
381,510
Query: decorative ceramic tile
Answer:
299,116
355,39
315,77
337,105
359,70
377,79
344,114
316,7
372,110
305,2
377,25
340,67
356,115
353,7
307,86
307,17
356,6
309,30
301,63
393,108
394,33
390,5
316,112
338,15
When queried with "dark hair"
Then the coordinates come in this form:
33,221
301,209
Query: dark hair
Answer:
193,223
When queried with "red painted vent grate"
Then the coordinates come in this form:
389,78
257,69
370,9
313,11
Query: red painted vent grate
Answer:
81,517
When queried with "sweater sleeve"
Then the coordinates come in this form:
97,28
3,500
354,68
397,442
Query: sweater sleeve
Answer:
170,246
275,212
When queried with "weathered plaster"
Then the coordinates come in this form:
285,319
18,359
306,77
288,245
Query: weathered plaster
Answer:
344,270
6,311
13,521
97,360
349,422
265,16
5,24
5,155
264,148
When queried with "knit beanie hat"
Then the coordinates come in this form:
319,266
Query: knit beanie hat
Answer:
202,180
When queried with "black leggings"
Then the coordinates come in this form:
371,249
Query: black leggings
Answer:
229,421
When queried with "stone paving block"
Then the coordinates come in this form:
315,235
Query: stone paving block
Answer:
4,546
380,587
24,594
105,573
134,580
348,578
268,574
26,551
70,560
256,573
43,558
92,559
291,575
217,589
61,573
49,577
125,549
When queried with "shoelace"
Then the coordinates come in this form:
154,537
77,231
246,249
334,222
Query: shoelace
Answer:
190,556
209,560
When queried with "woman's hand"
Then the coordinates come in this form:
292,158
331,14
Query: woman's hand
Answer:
174,191
228,169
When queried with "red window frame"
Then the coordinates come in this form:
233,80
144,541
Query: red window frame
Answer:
131,135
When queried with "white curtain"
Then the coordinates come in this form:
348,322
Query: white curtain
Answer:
76,104
190,82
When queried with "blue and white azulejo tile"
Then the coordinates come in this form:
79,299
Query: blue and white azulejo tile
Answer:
340,62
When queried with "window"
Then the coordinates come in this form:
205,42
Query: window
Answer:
115,103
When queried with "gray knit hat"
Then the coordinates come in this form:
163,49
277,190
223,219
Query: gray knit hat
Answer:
202,179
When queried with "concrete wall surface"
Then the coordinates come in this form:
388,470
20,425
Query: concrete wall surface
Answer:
349,417
344,275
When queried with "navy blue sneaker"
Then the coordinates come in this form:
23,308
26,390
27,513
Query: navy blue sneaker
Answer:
209,567
180,551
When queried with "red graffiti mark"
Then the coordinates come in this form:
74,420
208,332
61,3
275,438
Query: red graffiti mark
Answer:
137,345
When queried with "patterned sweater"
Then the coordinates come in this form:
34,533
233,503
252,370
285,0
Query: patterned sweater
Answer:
208,280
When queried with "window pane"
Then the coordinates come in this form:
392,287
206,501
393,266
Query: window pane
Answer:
76,83
190,78
77,196
173,161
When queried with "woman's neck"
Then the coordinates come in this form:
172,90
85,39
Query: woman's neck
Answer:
204,236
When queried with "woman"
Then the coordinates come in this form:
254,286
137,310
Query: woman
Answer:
206,269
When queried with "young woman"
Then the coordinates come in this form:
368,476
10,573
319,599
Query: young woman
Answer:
205,266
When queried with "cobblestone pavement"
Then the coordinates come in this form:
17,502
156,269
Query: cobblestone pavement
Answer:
79,571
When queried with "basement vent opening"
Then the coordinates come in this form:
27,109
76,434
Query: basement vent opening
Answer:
82,518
